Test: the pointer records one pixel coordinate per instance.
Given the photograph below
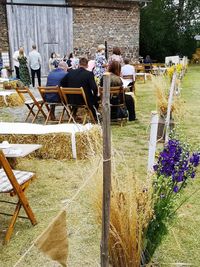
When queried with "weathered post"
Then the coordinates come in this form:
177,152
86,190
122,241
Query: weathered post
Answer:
152,140
106,171
170,100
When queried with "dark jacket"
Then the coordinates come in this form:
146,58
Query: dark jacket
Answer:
53,79
82,78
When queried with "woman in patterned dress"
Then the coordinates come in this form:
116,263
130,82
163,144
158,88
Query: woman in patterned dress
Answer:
23,68
100,62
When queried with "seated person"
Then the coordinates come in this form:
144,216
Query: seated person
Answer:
129,70
81,77
148,61
115,80
53,79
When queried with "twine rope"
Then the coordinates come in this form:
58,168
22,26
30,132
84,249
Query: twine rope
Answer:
65,207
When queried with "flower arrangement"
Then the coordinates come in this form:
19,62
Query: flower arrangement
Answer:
175,167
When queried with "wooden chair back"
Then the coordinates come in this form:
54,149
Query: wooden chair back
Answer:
117,91
15,183
44,91
66,92
31,102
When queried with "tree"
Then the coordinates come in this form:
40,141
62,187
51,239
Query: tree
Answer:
168,28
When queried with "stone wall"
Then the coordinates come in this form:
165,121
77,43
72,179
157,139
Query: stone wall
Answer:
3,29
95,22
118,26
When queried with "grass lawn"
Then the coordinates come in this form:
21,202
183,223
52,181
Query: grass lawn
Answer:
58,181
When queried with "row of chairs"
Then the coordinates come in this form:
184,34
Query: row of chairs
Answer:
36,105
67,107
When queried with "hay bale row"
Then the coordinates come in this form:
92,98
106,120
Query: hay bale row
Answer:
59,145
88,143
13,100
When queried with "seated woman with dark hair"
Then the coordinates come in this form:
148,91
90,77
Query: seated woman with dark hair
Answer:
115,80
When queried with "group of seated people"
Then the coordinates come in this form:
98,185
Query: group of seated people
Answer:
81,77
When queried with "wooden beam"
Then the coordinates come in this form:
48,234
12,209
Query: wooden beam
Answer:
106,171
70,5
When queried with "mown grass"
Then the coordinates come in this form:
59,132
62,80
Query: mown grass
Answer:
58,181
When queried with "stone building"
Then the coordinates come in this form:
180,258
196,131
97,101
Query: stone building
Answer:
62,25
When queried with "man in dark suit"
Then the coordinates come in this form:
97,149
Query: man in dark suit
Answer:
81,77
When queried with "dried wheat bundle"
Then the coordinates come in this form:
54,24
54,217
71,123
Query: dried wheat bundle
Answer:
131,211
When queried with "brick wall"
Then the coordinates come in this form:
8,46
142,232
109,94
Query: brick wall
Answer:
119,27
118,24
3,29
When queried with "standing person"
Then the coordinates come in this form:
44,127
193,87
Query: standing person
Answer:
116,56
100,62
16,62
51,61
70,60
81,77
35,65
23,68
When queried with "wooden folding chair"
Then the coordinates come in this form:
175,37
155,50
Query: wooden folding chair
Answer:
71,107
140,72
130,77
15,182
31,102
44,91
118,93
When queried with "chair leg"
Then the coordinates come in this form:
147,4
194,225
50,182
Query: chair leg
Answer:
12,223
39,110
48,115
30,111
61,116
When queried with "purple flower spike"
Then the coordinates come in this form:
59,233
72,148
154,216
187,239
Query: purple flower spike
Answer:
175,189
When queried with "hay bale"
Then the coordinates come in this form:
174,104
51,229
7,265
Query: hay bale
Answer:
55,146
13,100
88,143
56,143
19,138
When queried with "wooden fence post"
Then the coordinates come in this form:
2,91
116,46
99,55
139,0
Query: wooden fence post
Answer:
170,99
106,171
153,140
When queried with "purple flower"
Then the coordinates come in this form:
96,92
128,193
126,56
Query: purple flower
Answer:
155,167
195,158
175,189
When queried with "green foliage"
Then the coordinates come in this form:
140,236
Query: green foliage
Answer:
168,28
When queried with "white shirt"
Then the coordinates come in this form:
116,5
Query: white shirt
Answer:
15,58
35,60
128,70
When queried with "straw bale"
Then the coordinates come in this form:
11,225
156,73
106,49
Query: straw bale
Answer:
59,145
13,100
19,138
88,143
55,146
